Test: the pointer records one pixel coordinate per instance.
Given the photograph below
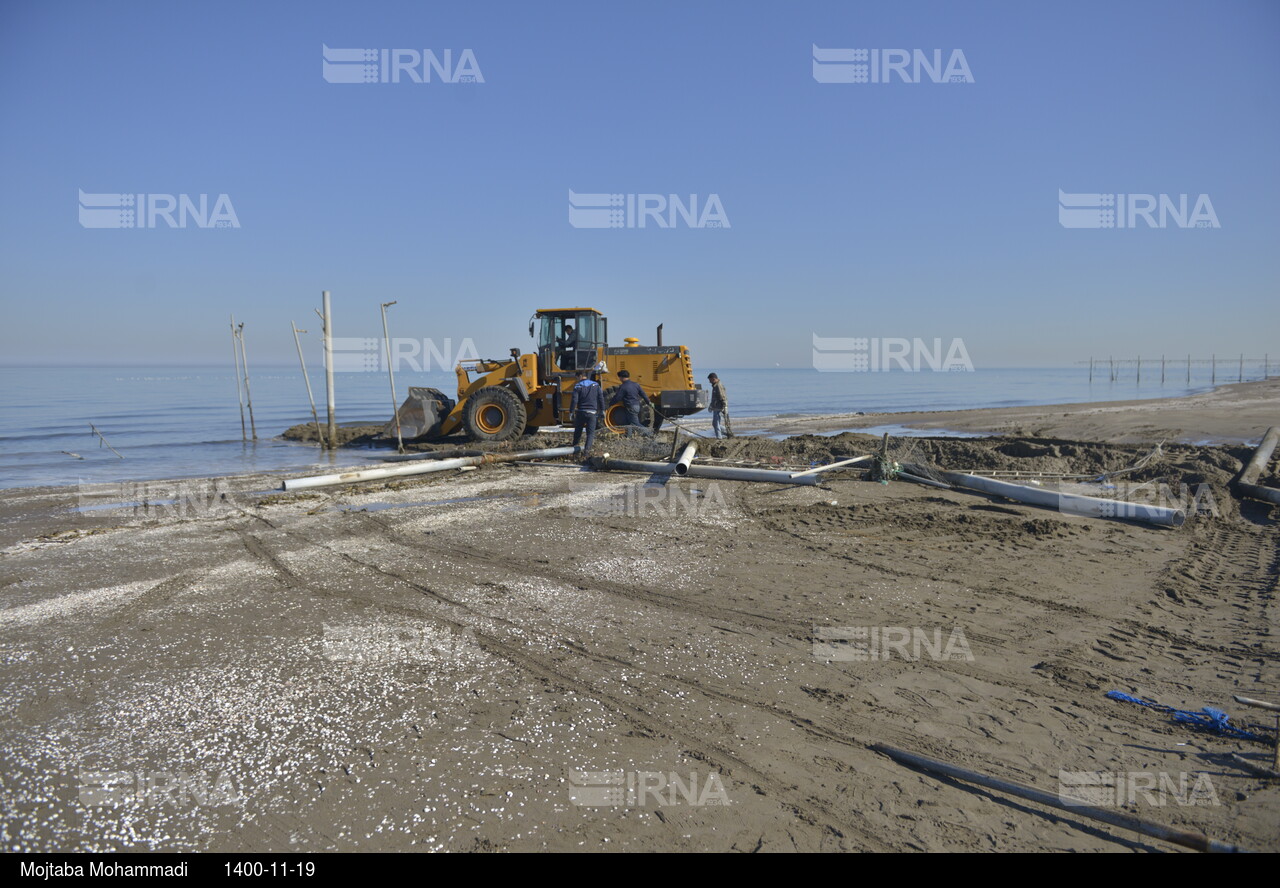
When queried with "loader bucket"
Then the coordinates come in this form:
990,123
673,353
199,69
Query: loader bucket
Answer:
421,414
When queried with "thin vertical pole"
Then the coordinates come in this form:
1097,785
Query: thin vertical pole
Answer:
328,369
395,407
1091,369
1188,369
1139,369
1214,379
248,394
310,397
1112,360
235,351
1162,369
1241,377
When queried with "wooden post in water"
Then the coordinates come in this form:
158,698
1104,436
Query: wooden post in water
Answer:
1188,369
1139,369
1162,369
1241,377
310,397
235,351
395,407
1214,380
248,393
1091,368
1112,361
328,369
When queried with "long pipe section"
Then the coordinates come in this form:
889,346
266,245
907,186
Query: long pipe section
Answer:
1122,819
440,465
682,464
1070,503
1247,482
721,473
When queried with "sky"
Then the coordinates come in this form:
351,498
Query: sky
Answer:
876,209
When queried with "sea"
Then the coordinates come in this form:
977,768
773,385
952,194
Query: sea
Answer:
171,422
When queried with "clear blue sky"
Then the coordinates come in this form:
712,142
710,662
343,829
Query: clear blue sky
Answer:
856,209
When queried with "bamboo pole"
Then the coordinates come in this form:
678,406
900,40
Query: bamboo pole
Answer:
235,351
395,406
104,441
248,393
310,397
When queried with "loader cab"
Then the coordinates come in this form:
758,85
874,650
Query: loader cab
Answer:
569,339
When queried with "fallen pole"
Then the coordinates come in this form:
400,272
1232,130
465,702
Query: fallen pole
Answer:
430,454
682,464
439,465
103,439
1186,838
1070,503
828,468
926,481
1247,484
604,463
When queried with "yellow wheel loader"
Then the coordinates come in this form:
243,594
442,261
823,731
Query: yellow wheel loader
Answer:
502,399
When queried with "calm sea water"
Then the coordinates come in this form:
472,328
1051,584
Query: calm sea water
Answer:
175,422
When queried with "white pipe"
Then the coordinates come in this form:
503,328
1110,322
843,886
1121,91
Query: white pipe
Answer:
1246,483
1070,503
835,465
682,464
439,465
718,472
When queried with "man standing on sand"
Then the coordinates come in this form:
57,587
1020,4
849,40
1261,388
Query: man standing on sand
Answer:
632,399
586,408
719,407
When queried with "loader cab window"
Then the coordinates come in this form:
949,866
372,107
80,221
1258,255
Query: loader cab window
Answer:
571,341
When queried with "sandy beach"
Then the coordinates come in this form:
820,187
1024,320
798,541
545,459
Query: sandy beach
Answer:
526,658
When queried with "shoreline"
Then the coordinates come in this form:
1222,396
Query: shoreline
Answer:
1230,414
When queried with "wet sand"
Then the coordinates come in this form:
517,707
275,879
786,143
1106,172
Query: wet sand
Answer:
546,658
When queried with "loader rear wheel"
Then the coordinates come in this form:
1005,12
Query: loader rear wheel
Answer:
615,416
494,414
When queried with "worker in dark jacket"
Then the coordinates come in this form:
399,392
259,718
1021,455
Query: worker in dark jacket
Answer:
586,407
719,407
632,399
567,349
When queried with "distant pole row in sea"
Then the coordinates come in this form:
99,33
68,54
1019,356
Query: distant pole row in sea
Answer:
1114,367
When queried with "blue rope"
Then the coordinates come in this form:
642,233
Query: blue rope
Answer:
1207,719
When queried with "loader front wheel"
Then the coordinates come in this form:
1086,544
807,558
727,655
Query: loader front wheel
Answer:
494,414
